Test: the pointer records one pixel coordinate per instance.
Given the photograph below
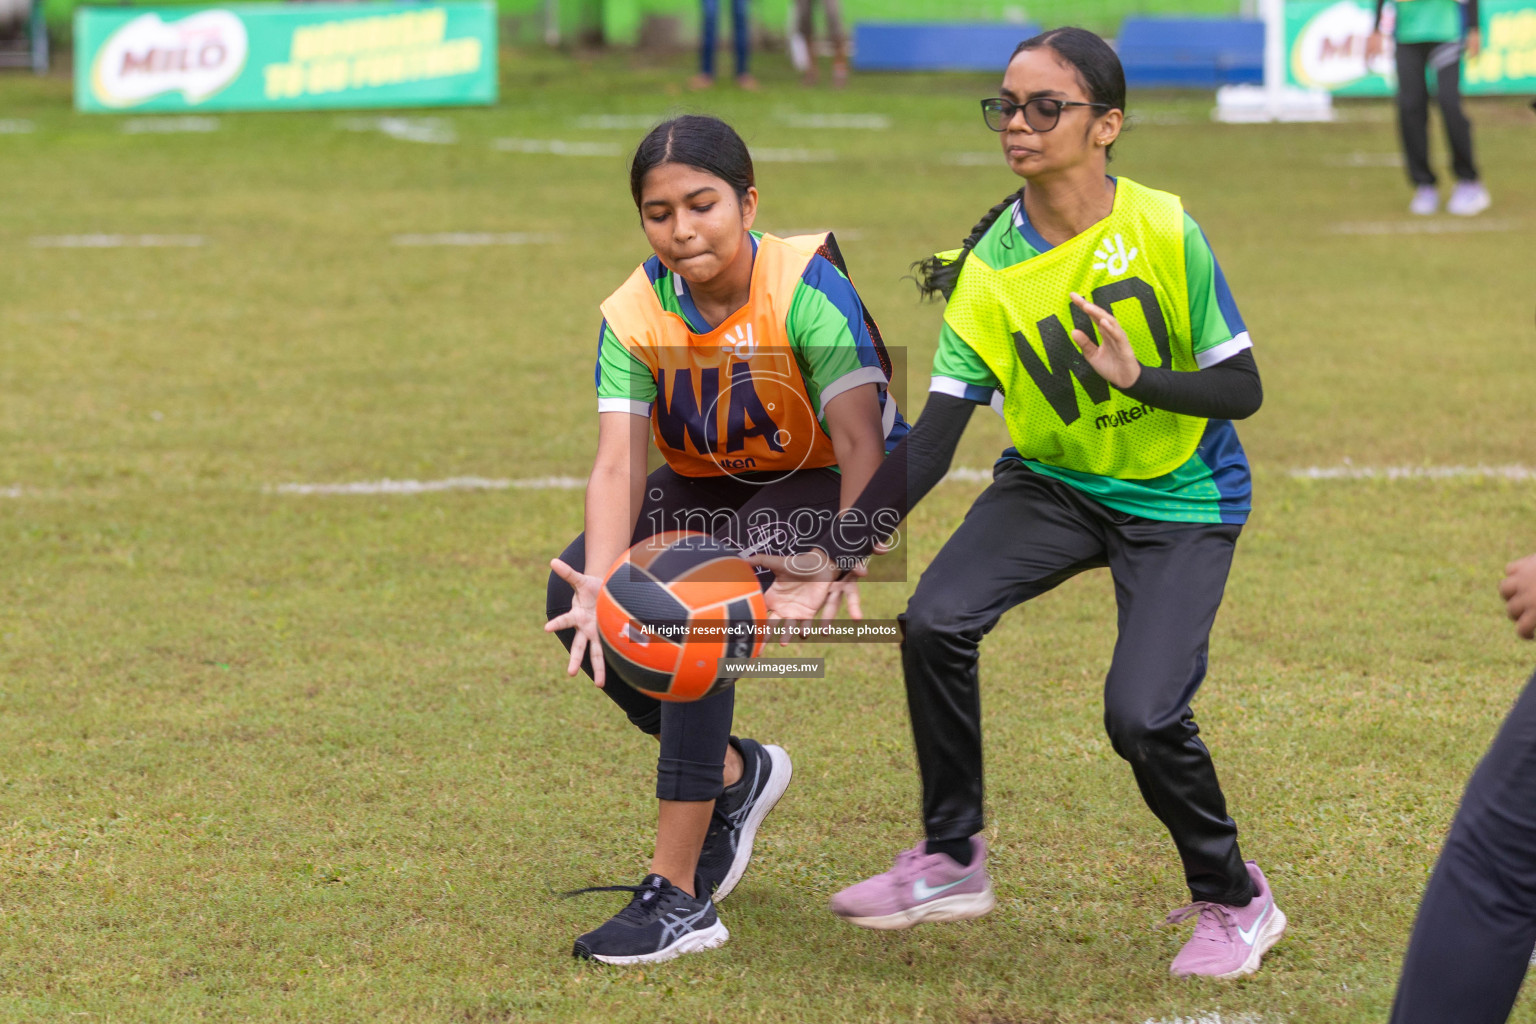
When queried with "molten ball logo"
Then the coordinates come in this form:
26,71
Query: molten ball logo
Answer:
198,56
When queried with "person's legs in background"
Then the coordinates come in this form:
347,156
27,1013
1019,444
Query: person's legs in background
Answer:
741,35
1469,197
1413,123
709,36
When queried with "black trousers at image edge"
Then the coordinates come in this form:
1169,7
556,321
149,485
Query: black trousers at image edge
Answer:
1476,928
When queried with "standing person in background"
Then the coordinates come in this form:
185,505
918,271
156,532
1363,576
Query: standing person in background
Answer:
741,29
1476,928
806,30
1434,34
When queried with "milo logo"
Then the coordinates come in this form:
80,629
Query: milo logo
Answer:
197,56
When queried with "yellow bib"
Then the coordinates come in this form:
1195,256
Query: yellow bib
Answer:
1019,319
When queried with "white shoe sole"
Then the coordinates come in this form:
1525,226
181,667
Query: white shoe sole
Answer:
712,937
946,908
778,781
1468,211
1268,936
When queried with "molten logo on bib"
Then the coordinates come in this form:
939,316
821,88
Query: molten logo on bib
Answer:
198,55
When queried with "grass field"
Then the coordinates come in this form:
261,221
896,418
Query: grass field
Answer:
309,757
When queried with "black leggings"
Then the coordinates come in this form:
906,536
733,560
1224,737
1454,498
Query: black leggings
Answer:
1026,534
1413,109
742,510
1472,942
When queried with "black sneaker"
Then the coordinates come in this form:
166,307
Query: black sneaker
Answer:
739,811
661,922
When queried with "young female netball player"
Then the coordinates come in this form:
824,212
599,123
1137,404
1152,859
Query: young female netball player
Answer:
1090,310
752,362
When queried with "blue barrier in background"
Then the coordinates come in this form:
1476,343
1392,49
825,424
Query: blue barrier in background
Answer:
926,46
1191,52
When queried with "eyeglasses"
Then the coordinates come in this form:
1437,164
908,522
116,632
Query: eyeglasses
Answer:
1041,113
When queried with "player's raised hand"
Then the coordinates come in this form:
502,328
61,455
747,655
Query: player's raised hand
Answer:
1518,589
582,618
1112,358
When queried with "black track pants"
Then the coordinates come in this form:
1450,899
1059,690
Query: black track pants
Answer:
1476,928
1024,535
1413,109
741,510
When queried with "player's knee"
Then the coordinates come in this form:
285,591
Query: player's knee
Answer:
931,619
1137,735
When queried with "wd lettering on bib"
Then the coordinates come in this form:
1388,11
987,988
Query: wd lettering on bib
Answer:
1019,319
732,399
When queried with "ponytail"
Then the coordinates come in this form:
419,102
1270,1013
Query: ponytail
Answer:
937,275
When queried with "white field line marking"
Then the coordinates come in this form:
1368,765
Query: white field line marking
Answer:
793,156
973,159
13,126
1518,473
1365,160
621,122
968,475
431,130
857,122
169,125
557,147
1427,226
11,492
1214,1018
475,238
457,483
116,241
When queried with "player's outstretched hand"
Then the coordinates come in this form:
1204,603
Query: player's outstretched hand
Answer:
1518,589
1112,358
802,589
582,617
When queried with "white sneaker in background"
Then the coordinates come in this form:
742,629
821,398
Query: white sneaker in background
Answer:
1425,201
1468,199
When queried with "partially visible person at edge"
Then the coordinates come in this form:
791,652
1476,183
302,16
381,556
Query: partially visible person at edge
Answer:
804,40
741,37
1476,929
1090,311
1434,34
753,363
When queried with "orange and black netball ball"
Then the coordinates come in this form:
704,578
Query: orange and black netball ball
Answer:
672,608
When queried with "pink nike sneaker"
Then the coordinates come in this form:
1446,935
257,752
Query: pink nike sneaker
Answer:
1229,941
921,887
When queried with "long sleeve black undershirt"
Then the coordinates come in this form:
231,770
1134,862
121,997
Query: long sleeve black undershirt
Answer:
1230,390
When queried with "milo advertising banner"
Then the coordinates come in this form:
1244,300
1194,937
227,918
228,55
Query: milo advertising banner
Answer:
1325,48
284,57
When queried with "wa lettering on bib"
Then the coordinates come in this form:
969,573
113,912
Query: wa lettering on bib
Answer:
734,399
1019,320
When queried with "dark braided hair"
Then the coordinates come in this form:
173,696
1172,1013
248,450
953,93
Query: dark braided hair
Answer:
1103,78
705,143
936,276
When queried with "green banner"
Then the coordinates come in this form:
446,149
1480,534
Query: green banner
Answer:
1325,49
285,57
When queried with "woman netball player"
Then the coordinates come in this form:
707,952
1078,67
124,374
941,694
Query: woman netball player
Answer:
1090,310
752,362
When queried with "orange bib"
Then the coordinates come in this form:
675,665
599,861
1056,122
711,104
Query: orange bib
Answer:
732,400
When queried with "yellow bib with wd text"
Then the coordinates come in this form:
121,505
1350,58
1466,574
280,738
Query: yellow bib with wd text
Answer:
1019,319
